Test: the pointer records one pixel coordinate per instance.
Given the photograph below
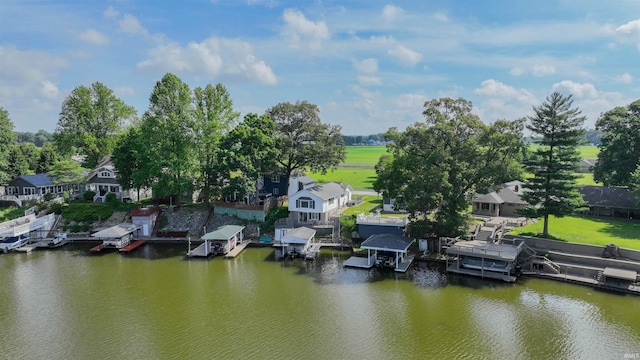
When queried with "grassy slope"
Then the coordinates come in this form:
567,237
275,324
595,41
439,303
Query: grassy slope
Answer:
594,231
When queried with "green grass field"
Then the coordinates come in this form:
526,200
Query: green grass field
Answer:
587,152
594,231
357,169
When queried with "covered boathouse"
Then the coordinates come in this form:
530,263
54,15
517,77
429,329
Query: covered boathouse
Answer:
384,251
221,241
115,237
298,242
484,259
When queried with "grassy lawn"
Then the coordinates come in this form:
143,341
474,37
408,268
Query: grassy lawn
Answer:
358,178
594,231
587,152
363,155
369,205
10,213
586,179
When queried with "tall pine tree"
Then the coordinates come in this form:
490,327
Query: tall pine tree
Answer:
553,190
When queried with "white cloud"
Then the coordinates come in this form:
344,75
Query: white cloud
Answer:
110,12
495,88
28,66
502,101
369,65
49,90
585,90
542,70
131,25
214,56
625,78
516,71
630,31
302,31
369,80
391,12
441,16
94,37
405,55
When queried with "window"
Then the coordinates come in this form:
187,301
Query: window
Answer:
59,189
331,201
105,174
29,191
485,206
12,190
275,178
305,203
276,191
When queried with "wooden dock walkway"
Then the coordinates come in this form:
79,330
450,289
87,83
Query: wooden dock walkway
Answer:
237,250
132,246
96,248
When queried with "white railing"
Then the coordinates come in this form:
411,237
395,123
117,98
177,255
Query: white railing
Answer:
375,219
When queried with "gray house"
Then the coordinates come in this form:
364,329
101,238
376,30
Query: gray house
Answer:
32,187
605,201
506,201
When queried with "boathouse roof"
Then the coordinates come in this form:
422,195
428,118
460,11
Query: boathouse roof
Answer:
224,232
387,242
298,235
116,231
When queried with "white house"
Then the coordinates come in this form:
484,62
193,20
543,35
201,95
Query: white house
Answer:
102,180
319,202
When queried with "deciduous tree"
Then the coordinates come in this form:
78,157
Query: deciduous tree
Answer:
90,121
553,190
67,172
304,142
169,130
132,160
619,154
7,137
250,149
214,117
436,166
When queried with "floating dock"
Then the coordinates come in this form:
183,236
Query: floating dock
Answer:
132,246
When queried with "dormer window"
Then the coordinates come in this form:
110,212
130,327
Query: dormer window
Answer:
105,174
275,178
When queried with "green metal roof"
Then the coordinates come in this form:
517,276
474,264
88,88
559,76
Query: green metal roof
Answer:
224,232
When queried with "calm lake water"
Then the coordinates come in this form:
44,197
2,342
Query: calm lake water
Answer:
153,304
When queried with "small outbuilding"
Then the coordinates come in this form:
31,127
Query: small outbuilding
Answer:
117,236
145,218
297,242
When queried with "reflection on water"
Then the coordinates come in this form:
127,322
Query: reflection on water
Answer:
153,303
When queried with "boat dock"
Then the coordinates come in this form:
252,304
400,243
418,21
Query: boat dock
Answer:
132,246
368,263
237,250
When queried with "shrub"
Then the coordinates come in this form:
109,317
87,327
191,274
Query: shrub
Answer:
87,211
272,216
57,208
75,228
88,195
112,198
49,196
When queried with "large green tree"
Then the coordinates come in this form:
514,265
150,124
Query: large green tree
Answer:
552,189
435,166
7,137
132,160
48,156
169,129
16,162
214,117
619,154
304,142
67,172
90,121
250,151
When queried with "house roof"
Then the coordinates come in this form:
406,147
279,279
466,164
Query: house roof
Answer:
116,231
298,235
37,179
305,179
508,193
609,196
224,232
389,242
327,190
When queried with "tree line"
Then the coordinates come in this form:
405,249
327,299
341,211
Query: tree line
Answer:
192,140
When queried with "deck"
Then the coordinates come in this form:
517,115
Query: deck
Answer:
483,274
132,246
359,262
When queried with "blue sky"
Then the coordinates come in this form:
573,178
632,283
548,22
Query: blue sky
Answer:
369,65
